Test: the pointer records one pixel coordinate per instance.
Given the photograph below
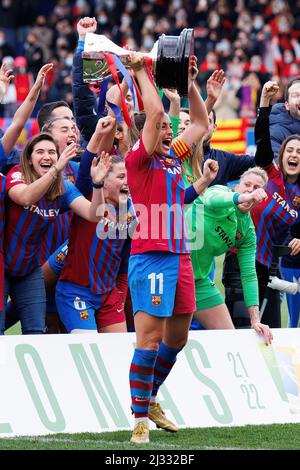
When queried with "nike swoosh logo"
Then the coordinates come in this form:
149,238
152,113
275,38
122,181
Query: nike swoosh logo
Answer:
119,310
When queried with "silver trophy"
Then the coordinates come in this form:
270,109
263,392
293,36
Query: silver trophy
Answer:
169,59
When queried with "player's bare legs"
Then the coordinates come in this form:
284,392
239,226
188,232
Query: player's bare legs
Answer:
215,318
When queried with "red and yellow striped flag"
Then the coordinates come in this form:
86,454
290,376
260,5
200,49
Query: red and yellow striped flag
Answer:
230,135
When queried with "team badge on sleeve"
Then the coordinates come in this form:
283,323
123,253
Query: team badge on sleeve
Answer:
16,177
71,178
60,257
170,161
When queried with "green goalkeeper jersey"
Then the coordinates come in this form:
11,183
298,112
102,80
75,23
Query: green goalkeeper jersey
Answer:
215,225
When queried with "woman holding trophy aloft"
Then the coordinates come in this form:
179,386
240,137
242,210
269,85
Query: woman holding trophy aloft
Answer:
160,264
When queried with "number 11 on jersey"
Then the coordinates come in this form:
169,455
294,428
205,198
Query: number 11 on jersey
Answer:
153,278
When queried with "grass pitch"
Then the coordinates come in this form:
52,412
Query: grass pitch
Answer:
263,437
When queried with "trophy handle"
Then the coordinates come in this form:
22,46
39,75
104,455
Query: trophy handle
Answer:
98,42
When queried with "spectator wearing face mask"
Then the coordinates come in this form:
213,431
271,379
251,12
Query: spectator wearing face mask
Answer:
81,8
64,30
258,22
162,26
149,24
10,98
62,49
45,34
33,54
9,15
224,51
62,9
62,87
245,21
102,18
255,76
287,61
126,25
23,79
148,43
210,64
6,50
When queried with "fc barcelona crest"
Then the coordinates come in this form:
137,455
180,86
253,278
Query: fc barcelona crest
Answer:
296,201
156,299
170,161
60,257
191,179
71,178
84,315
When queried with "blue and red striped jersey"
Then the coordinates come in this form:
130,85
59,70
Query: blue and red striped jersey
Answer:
25,227
58,232
273,217
96,251
157,191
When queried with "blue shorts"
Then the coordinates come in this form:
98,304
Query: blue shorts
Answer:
161,283
81,309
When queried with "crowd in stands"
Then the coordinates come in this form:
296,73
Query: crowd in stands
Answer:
251,40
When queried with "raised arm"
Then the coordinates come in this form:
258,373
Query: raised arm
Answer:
5,79
214,87
174,99
152,104
86,25
174,110
24,112
210,171
27,194
94,209
219,196
198,113
102,140
264,155
83,98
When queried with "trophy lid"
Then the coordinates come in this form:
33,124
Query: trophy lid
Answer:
172,64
